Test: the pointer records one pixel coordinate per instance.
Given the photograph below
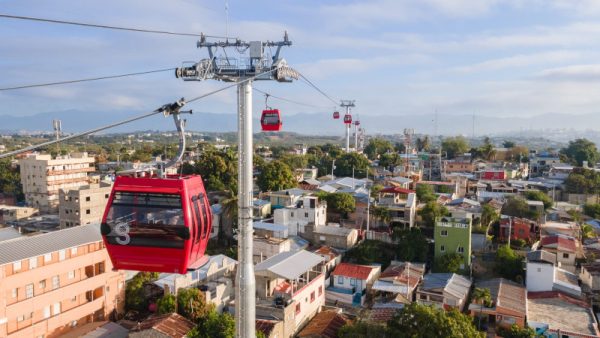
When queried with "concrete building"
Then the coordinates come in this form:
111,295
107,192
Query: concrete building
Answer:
453,235
444,290
290,289
349,282
9,213
51,283
543,274
508,306
42,177
84,205
307,210
266,246
330,235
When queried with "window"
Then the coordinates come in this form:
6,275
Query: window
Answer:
106,196
320,290
353,281
56,309
298,308
61,255
42,284
460,249
442,248
20,318
15,293
16,266
47,257
71,274
55,282
444,233
32,263
312,297
565,255
73,251
87,199
340,279
306,214
292,214
74,299
29,291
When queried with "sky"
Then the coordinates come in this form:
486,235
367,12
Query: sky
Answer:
394,57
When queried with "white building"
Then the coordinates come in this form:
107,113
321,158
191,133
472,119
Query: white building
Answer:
307,210
543,275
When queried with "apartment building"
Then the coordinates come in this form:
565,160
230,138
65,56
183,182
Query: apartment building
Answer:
453,235
307,210
54,282
42,177
83,205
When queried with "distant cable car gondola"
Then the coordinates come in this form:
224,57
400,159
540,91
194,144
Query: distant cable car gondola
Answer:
271,120
158,223
336,115
348,119
357,123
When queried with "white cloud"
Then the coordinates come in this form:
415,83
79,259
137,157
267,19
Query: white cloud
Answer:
518,61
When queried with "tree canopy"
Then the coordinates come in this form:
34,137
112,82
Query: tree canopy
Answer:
135,298
425,193
10,180
454,146
192,304
535,195
167,304
508,264
431,211
341,203
412,245
345,163
217,168
449,262
592,210
214,325
518,207
581,150
377,147
583,181
276,176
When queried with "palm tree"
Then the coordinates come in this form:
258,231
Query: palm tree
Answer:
483,296
228,217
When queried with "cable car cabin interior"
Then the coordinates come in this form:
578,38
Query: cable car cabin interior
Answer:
336,115
271,120
157,224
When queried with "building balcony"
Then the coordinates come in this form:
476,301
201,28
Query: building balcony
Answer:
69,171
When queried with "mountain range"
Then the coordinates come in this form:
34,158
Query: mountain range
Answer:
308,123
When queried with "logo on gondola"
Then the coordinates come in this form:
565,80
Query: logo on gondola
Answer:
122,232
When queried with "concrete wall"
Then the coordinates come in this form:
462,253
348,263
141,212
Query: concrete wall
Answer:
83,206
540,276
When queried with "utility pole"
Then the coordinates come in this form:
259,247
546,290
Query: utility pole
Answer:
347,104
245,70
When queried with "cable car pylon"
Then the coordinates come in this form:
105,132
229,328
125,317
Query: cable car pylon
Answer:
262,67
347,120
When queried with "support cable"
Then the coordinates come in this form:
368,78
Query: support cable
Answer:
87,80
290,101
131,29
318,89
116,124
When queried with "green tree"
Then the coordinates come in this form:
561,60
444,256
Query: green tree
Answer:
449,262
167,304
416,320
381,213
363,329
581,150
377,147
10,180
483,297
345,163
535,195
217,168
517,332
592,210
389,160
294,161
431,211
487,149
488,215
214,325
508,264
425,193
341,203
135,298
508,144
587,231
454,146
423,143
191,304
411,245
276,176
518,207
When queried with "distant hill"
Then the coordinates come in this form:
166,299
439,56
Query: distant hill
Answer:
307,123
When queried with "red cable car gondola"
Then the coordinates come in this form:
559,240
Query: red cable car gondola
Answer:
157,224
336,115
348,119
357,123
271,120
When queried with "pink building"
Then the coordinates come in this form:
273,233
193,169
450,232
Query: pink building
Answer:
51,283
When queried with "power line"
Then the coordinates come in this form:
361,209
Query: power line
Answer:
290,101
317,89
131,29
86,80
116,124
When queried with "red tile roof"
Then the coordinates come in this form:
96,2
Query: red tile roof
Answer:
561,243
396,190
327,251
353,271
324,324
172,325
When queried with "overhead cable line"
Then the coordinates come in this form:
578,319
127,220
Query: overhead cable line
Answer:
116,124
86,80
318,89
290,101
131,29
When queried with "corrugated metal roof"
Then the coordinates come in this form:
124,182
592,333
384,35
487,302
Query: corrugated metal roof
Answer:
289,265
9,233
27,247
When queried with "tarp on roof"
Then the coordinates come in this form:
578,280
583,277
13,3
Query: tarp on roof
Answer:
289,265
